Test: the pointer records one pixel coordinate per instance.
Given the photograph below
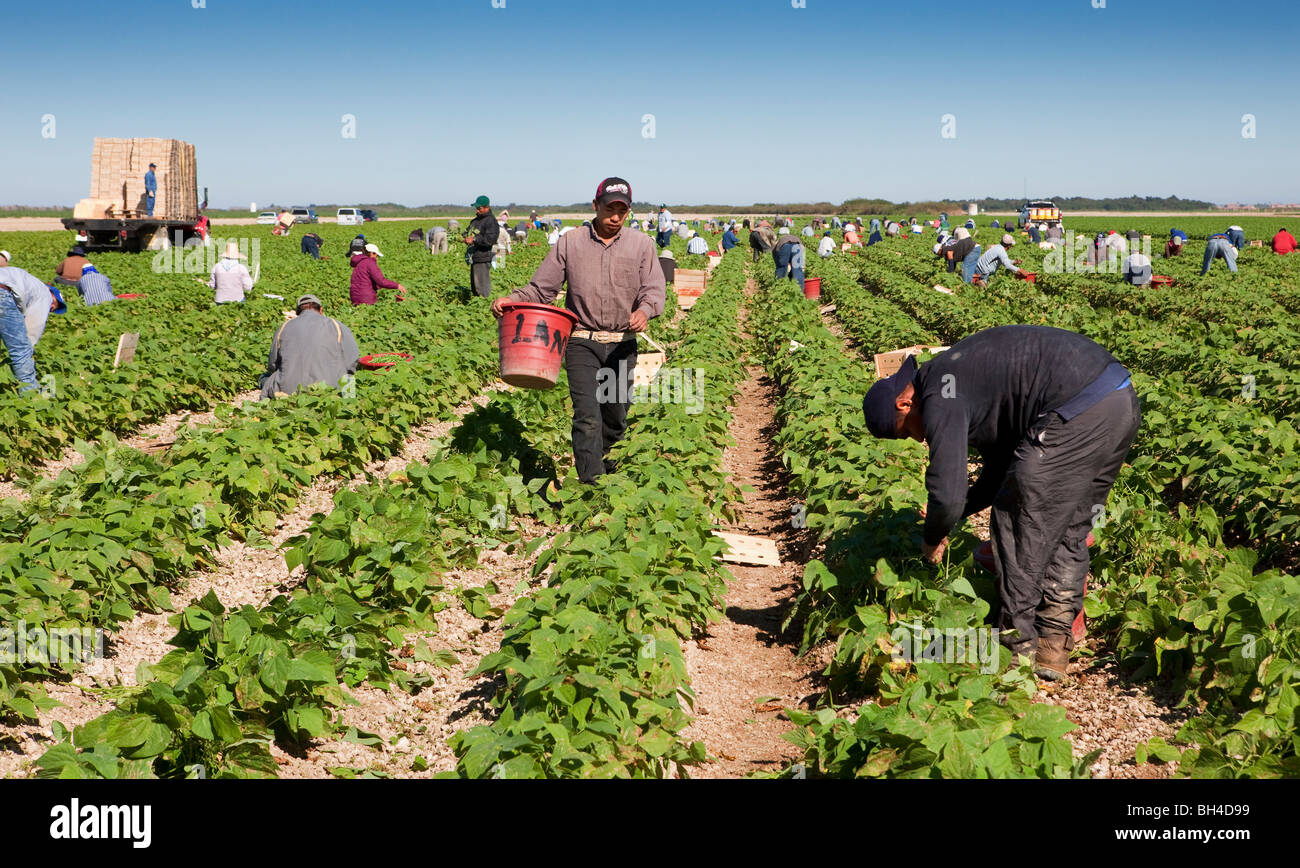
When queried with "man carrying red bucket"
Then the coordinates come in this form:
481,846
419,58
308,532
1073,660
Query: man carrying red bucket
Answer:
615,287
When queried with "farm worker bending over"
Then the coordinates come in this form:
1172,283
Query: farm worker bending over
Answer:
437,239
95,288
1052,415
1137,269
697,244
1174,246
826,247
616,286
13,335
485,232
762,239
789,253
1055,234
150,188
993,259
729,239
1237,236
1283,242
311,243
367,279
308,349
230,277
69,270
964,252
1219,247
34,298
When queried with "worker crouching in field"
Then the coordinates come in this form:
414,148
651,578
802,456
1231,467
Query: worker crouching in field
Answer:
1052,415
615,287
308,349
1174,246
1137,269
993,259
311,244
1283,242
13,336
367,279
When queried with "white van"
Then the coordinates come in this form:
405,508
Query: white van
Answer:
350,217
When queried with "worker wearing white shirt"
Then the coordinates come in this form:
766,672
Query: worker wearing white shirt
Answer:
665,226
683,231
827,246
807,232
697,244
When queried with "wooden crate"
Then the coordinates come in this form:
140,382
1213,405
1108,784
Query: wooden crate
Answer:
690,282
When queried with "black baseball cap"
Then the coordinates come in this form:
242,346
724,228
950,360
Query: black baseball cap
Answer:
614,190
878,409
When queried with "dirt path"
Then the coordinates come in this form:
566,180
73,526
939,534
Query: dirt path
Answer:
245,574
164,431
744,671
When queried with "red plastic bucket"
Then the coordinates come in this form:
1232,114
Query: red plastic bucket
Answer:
1161,280
812,287
532,339
1029,276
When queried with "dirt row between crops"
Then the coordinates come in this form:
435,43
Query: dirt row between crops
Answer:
1113,714
244,574
745,670
153,435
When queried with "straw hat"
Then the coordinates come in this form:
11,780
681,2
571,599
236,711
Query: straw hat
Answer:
232,251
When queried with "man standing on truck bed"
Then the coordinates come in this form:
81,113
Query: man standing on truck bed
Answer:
616,286
150,189
1052,415
484,231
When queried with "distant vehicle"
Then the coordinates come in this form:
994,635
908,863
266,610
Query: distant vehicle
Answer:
368,215
350,217
1040,211
267,218
304,215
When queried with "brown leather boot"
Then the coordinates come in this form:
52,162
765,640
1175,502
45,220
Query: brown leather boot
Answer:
1052,658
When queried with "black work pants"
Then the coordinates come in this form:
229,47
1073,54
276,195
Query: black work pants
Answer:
480,278
1055,488
600,384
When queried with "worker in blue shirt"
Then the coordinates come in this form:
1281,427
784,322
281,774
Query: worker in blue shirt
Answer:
729,239
150,188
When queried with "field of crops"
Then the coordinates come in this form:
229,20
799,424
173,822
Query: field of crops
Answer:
1193,587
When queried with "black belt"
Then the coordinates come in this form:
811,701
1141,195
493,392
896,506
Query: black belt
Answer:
1115,377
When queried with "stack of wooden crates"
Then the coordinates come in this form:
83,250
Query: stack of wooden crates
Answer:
117,179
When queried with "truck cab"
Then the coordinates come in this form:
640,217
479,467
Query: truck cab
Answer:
1040,211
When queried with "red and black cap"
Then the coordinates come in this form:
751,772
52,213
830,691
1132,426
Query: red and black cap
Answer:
614,190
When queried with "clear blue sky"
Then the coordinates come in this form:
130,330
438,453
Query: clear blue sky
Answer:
753,100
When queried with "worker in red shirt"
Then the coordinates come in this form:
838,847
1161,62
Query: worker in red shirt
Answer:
1283,242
